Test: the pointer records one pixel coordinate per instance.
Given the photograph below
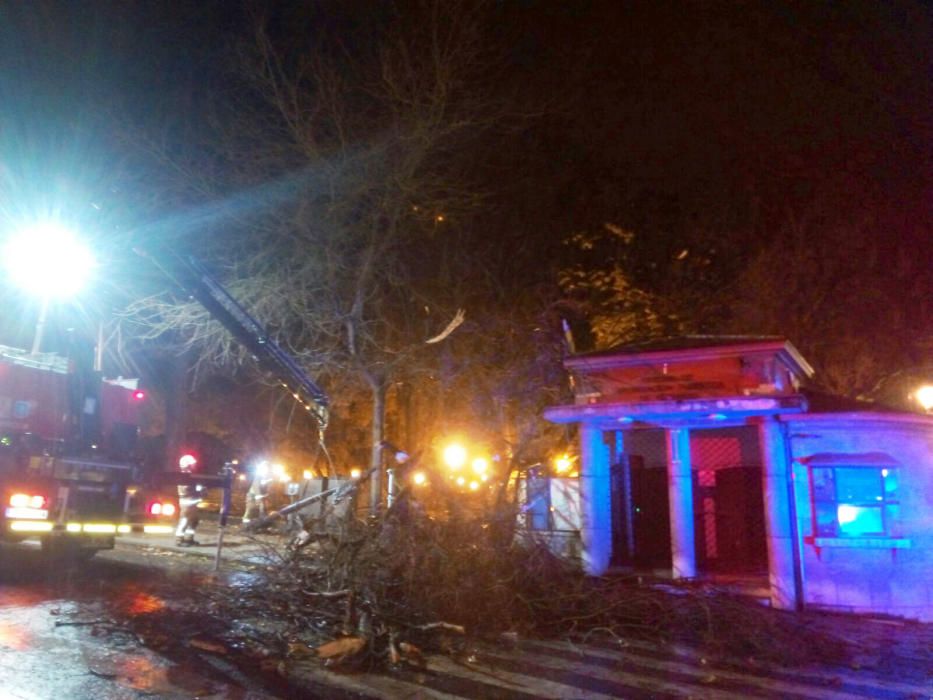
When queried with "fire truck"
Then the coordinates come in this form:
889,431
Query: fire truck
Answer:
68,455
69,465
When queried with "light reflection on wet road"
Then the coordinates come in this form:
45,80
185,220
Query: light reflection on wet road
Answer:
58,640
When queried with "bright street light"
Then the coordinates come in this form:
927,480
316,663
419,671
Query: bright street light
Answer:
562,464
455,456
48,261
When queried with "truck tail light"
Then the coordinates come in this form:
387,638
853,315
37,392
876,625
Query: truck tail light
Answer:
159,508
25,500
27,506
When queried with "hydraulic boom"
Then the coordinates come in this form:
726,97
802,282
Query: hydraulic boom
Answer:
191,276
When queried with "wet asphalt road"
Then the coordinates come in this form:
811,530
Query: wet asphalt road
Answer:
59,639
64,636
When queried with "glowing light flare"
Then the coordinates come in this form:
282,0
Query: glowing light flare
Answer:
480,466
455,456
143,603
159,508
28,526
924,396
187,461
158,529
846,514
14,636
25,500
419,478
474,486
460,481
562,464
306,474
46,259
356,473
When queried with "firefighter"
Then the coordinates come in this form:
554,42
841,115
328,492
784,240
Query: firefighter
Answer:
189,496
257,494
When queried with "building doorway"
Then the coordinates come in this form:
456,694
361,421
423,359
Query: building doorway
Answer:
728,501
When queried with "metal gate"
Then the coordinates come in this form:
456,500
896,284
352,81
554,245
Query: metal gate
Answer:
728,501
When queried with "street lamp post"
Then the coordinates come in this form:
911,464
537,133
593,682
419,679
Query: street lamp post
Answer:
40,326
47,260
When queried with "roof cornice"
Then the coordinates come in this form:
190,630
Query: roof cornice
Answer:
783,349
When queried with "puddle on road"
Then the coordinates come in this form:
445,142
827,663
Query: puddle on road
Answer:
12,636
146,673
70,634
134,601
144,603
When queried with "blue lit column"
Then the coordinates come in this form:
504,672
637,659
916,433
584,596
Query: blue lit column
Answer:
595,501
680,496
778,515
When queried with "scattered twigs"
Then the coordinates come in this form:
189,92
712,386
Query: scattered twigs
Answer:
392,588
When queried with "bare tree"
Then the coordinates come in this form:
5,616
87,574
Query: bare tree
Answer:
835,283
354,159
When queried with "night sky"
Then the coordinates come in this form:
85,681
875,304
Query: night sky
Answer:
720,129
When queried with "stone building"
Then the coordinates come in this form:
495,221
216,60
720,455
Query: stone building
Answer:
706,457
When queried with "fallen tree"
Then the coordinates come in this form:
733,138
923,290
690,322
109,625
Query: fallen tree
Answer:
389,589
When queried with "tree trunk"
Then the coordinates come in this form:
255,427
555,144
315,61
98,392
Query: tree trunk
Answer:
378,432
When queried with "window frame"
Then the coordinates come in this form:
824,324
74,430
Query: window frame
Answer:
885,501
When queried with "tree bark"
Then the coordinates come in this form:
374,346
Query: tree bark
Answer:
378,432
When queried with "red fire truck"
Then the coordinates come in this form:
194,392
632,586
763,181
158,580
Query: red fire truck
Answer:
68,455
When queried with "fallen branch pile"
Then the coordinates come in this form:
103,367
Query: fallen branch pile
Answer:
386,590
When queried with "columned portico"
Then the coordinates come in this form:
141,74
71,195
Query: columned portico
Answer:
595,500
666,400
680,497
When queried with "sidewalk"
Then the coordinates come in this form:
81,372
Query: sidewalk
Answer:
237,545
